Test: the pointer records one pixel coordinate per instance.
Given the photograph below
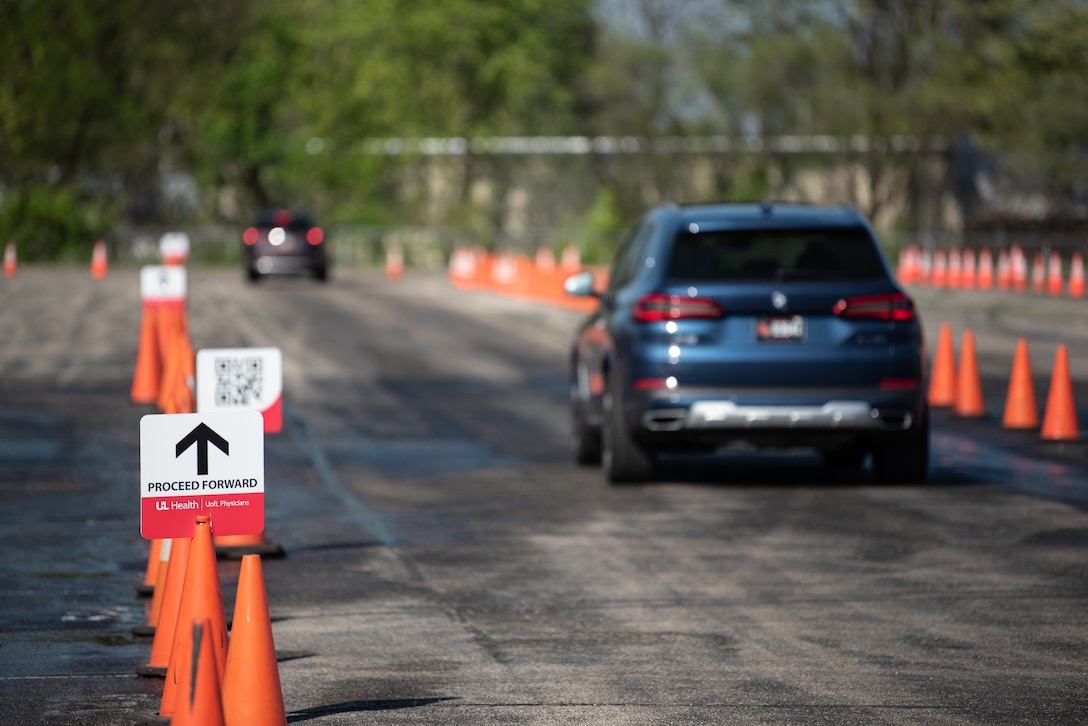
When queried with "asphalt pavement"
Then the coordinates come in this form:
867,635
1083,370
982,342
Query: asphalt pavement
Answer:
446,564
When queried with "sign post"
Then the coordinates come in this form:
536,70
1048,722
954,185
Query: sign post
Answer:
201,463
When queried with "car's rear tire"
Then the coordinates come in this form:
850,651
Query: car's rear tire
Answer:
585,440
321,274
624,461
252,275
845,458
906,460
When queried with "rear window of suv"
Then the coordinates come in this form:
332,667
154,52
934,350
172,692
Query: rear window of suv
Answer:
775,255
284,218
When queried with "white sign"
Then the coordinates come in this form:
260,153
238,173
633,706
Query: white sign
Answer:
174,248
201,463
163,283
241,379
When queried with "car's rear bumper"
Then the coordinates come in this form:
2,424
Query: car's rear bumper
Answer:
665,420
286,265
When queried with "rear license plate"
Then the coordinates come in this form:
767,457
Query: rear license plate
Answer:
777,329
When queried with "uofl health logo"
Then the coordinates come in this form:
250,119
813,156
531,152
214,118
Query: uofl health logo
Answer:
204,463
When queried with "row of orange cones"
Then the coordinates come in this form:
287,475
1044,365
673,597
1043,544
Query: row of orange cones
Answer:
99,260
516,275
211,680
960,388
960,269
165,361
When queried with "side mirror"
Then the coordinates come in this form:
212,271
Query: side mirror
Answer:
580,285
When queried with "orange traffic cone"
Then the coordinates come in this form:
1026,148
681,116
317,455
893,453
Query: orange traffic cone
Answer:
1038,274
1054,282
145,381
11,260
1076,275
986,269
904,271
942,383
570,259
99,264
178,377
925,267
1018,267
955,269
1060,418
166,332
200,599
199,701
394,262
155,611
147,587
168,612
970,270
940,269
1021,411
1004,270
968,386
252,693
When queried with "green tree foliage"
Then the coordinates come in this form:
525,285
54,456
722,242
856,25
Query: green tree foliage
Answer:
272,101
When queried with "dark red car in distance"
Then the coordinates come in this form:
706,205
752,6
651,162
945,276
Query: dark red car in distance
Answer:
285,242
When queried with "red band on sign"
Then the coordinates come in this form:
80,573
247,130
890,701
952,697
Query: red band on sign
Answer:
169,517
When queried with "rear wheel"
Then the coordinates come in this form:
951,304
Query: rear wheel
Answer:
624,461
585,440
906,460
845,458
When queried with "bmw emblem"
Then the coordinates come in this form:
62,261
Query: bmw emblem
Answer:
779,300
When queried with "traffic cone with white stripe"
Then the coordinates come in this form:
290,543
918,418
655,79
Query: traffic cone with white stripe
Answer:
985,272
159,661
99,263
147,587
1054,282
1076,275
394,262
11,260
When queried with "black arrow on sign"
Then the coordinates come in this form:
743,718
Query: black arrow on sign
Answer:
202,436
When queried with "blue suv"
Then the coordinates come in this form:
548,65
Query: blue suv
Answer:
760,325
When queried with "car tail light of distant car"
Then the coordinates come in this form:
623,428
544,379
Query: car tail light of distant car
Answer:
250,236
888,306
315,236
657,307
655,384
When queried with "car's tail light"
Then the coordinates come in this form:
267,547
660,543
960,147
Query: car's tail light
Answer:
655,384
657,307
886,306
250,236
899,384
315,235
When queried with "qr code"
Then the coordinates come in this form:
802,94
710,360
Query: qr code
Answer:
238,381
